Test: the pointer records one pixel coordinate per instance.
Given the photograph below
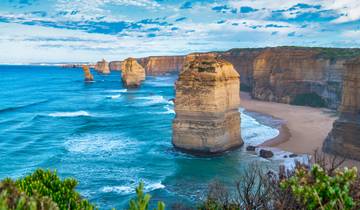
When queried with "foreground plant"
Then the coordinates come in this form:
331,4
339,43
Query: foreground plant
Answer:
142,201
319,190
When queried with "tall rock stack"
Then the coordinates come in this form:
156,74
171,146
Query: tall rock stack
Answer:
206,105
344,139
88,76
102,67
132,73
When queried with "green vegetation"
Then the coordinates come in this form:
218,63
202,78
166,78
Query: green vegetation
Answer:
309,99
142,200
318,190
322,186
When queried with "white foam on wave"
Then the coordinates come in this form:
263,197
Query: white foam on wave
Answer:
100,143
117,91
70,114
130,189
114,96
255,133
155,99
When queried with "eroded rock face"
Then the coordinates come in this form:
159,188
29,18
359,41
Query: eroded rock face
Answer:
291,75
157,65
115,65
344,139
88,76
132,73
206,105
102,67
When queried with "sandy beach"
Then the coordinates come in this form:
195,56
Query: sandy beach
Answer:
304,128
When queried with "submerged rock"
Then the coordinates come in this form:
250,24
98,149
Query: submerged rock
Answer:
102,67
266,153
206,105
132,73
344,138
88,76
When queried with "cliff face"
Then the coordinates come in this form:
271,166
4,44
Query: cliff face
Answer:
132,73
206,105
156,65
115,66
294,76
88,76
102,67
344,139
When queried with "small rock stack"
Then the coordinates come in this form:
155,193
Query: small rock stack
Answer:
206,105
344,139
132,73
102,67
88,76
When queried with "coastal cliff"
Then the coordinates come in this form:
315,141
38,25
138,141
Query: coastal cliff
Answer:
344,139
297,76
206,105
155,65
132,73
115,66
102,67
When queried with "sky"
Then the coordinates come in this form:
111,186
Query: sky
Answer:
35,31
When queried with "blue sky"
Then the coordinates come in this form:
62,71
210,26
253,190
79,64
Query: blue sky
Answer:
89,30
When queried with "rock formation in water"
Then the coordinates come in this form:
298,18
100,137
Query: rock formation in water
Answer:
155,65
102,67
344,138
132,73
88,76
206,105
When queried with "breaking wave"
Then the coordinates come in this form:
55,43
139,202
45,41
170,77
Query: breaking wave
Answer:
69,114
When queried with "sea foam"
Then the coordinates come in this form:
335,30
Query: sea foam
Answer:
130,189
155,99
69,114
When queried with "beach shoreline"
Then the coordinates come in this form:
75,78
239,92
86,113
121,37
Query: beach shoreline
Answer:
302,129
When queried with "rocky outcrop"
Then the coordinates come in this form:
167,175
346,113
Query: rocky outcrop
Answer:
88,76
207,100
344,139
102,67
115,65
297,76
132,73
155,65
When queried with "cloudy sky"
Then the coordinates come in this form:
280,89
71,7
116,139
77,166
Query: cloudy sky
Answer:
88,30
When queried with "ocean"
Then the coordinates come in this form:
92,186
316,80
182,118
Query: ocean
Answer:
108,137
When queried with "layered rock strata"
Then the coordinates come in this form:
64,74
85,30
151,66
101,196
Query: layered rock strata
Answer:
207,101
88,76
344,138
297,76
115,66
155,65
102,67
132,73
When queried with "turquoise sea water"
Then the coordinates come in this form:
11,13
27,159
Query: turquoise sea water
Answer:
107,137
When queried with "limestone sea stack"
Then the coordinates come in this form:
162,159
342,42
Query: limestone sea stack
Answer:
88,76
102,67
132,73
344,138
207,101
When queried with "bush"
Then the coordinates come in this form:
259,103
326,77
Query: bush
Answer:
319,190
142,200
12,198
309,99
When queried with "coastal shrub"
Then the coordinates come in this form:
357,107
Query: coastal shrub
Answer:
48,184
11,198
319,190
309,99
142,200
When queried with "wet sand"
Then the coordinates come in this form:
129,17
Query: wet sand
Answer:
304,128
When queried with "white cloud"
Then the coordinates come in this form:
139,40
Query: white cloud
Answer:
350,9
